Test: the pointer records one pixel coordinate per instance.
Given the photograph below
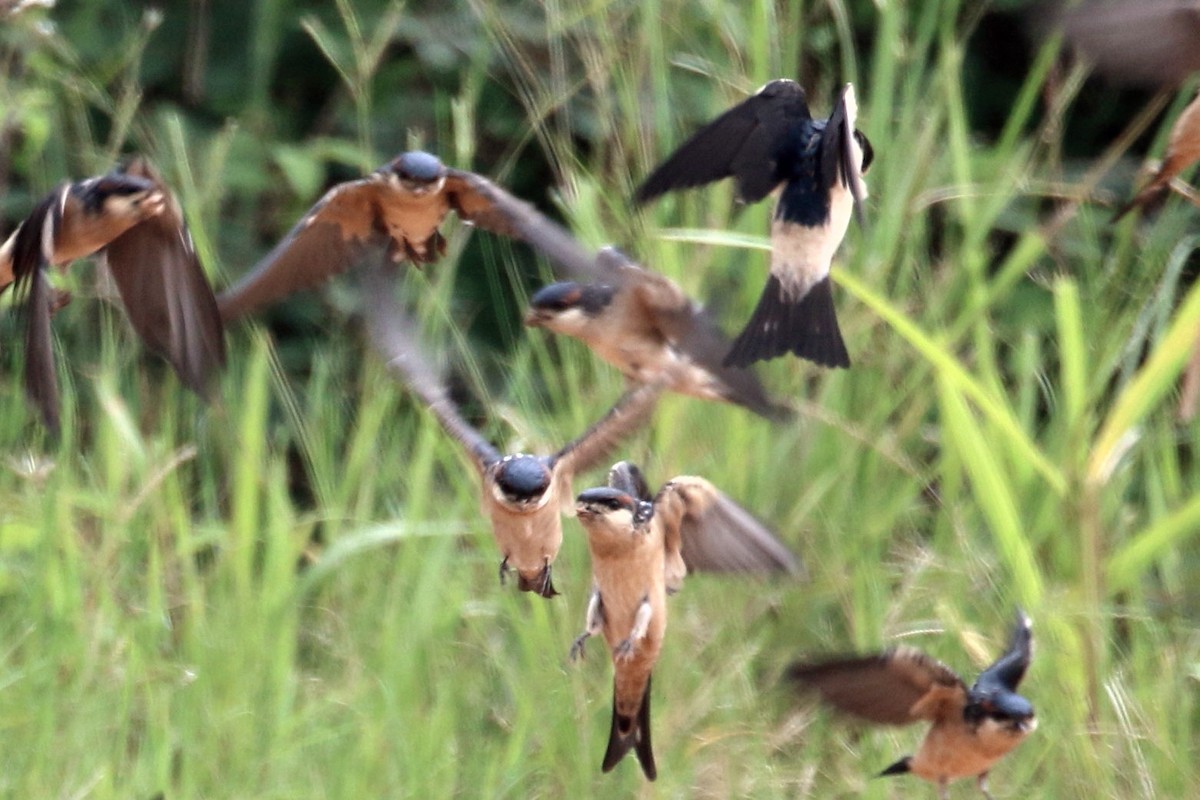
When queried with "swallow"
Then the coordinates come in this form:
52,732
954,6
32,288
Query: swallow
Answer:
1146,43
397,210
134,224
643,324
766,142
641,549
971,729
523,495
1183,150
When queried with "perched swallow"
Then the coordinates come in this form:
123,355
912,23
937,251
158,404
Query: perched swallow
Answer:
971,728
768,141
133,222
644,325
1146,43
1183,150
641,550
398,209
523,495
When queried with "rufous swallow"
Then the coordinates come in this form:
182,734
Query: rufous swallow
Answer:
971,729
398,209
641,550
644,325
134,223
523,495
765,142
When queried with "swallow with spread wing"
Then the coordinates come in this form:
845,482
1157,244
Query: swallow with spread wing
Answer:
133,221
524,495
644,325
768,141
971,729
641,550
398,209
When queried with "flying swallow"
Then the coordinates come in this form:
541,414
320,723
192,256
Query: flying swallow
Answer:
1183,150
523,495
768,141
1146,43
644,325
641,550
134,223
971,728
397,209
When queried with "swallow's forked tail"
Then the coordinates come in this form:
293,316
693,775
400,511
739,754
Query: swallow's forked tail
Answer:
806,326
629,733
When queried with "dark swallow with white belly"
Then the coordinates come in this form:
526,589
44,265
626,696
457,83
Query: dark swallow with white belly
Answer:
771,141
132,222
523,495
641,549
971,728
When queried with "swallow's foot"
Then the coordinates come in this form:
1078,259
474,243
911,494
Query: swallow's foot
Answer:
623,651
504,571
577,646
983,786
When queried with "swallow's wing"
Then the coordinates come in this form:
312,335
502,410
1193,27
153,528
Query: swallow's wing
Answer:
394,337
597,443
689,328
165,292
625,476
896,687
1183,150
715,534
839,161
1010,668
742,142
32,251
341,230
1135,42
480,202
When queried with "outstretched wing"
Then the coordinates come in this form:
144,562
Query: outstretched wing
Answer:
165,292
394,336
341,230
742,142
896,687
712,533
598,442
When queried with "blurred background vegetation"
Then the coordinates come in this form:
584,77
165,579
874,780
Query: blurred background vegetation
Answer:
291,594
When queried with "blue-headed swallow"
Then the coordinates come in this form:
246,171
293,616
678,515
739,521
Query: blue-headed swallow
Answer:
523,495
132,221
644,325
770,141
971,729
641,549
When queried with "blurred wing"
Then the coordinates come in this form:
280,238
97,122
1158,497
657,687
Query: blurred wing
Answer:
481,202
598,442
742,142
32,249
715,534
896,687
394,336
1010,668
341,230
165,292
692,331
1183,149
1136,42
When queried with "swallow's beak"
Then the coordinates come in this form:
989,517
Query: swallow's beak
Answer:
154,203
534,318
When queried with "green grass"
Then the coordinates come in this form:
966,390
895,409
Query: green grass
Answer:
176,618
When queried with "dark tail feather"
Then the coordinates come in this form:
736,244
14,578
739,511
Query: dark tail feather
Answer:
899,768
41,380
806,326
629,733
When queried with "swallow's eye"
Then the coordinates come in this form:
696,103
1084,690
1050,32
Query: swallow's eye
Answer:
867,151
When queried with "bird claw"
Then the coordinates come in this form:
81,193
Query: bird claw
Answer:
623,651
504,571
577,647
